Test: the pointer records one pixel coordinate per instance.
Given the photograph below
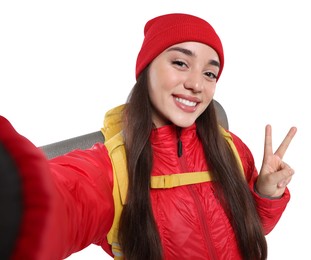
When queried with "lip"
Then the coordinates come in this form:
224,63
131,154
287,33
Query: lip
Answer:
185,108
190,98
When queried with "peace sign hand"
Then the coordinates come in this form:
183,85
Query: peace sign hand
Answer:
274,174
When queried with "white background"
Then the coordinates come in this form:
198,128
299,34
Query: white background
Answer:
63,64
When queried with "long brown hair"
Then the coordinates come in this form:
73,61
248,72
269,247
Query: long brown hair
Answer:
138,232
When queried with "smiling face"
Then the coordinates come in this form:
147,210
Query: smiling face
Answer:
182,82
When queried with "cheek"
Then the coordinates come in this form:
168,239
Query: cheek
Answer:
209,92
152,78
156,74
162,76
153,85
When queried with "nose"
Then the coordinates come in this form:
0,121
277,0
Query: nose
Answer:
194,82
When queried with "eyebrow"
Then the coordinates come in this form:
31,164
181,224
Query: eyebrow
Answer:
191,54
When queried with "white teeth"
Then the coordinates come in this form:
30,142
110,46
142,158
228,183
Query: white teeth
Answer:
186,102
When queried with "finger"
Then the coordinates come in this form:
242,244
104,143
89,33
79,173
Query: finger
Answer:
284,183
287,140
284,176
287,180
268,141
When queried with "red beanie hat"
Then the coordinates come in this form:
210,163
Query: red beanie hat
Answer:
166,30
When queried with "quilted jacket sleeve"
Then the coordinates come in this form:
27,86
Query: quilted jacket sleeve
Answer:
66,203
269,210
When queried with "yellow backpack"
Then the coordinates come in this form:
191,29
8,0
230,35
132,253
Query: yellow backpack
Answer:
115,145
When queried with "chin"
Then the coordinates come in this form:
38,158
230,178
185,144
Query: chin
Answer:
183,124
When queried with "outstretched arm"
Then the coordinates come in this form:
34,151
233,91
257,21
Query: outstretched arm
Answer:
52,208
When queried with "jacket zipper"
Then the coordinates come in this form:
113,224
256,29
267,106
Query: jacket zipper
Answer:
207,236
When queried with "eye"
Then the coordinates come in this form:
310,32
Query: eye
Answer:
211,75
179,63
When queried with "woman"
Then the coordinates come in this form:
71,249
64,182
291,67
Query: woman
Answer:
169,182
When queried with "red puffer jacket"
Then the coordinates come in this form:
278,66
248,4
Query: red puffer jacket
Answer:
79,205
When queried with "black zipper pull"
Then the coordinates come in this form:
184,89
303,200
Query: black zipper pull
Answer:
179,143
179,148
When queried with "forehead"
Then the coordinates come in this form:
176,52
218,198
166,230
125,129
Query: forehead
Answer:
194,49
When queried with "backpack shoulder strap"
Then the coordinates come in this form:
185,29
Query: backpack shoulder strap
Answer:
229,140
115,146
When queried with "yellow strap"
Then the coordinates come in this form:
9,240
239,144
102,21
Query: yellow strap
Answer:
179,179
116,150
228,138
